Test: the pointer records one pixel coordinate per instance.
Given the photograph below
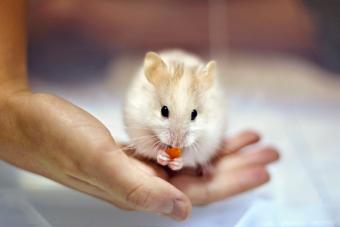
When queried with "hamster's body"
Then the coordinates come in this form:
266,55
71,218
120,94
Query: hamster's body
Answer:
175,100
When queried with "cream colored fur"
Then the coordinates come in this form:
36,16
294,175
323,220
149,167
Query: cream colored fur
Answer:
182,82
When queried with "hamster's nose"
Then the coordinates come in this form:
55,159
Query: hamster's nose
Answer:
177,138
176,143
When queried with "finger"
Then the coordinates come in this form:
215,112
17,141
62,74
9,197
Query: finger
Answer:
240,141
260,156
88,188
141,191
223,185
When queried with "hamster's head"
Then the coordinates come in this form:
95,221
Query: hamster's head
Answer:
180,95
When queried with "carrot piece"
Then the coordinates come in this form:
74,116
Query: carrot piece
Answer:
174,152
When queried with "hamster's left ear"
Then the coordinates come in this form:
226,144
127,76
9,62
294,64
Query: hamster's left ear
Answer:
154,67
209,74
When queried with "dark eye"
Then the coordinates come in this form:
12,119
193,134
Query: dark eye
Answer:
165,111
193,115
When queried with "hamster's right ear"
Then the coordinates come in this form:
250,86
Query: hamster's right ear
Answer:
209,75
153,67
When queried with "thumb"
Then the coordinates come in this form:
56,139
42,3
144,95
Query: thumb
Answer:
138,190
151,193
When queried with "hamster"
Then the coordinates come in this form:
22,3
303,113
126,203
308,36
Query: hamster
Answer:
175,101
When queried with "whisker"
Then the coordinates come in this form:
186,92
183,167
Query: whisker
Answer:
136,127
140,142
155,146
143,137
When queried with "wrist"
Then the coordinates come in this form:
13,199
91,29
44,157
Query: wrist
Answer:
11,102
9,90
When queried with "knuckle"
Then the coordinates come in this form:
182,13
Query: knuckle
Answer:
139,197
238,185
241,185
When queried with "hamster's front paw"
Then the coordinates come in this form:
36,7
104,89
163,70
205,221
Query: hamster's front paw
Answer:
176,164
163,158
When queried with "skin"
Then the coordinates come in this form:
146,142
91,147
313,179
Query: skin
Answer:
49,136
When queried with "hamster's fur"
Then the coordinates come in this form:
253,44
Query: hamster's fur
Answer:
182,82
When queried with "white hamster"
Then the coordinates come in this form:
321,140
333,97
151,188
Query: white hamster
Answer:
175,100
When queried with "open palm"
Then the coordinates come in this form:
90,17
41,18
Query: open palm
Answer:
234,170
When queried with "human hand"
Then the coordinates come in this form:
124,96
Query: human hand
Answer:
233,171
47,135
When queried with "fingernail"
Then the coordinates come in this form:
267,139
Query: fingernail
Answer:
180,210
168,208
176,209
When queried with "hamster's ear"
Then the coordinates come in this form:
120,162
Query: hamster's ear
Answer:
153,67
209,75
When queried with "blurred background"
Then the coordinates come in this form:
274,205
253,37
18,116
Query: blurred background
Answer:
279,63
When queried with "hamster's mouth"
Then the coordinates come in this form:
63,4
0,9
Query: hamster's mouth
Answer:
164,146
167,146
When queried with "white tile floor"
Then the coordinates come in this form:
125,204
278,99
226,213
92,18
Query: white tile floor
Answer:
296,107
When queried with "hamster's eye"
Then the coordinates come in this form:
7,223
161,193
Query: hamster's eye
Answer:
193,115
165,111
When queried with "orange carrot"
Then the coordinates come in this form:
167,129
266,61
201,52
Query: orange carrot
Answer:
174,152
